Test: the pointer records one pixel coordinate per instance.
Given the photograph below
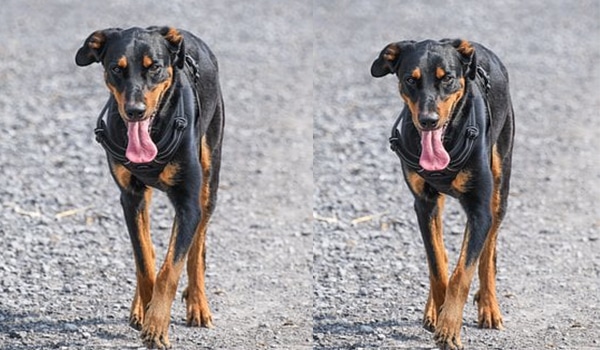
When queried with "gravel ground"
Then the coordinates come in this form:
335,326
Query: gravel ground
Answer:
66,268
370,273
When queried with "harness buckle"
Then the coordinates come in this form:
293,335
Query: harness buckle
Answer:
472,132
180,123
99,134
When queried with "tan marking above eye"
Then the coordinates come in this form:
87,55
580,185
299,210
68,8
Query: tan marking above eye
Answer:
122,62
440,72
416,73
147,62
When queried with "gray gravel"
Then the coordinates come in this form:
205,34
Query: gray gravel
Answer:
66,268
370,274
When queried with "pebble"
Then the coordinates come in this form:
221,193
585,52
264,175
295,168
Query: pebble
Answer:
70,327
17,334
366,329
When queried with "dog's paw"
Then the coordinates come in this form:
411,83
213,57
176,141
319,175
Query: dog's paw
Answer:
197,310
197,317
136,321
448,340
429,318
447,331
155,331
136,316
429,323
489,315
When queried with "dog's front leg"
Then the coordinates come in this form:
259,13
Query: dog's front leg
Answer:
429,214
186,201
479,220
135,200
429,205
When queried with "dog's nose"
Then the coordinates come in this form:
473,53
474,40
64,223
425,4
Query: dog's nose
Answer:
135,111
429,121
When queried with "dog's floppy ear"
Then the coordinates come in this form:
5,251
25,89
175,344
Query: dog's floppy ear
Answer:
389,58
175,42
467,55
93,48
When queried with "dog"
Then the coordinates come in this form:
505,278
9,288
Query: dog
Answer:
162,128
454,137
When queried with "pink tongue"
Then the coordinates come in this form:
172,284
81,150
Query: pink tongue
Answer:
140,148
433,155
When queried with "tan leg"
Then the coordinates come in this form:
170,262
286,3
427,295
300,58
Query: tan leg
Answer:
438,281
145,274
489,315
158,314
198,312
447,330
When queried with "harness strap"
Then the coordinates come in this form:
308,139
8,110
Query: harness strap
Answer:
192,66
463,146
405,155
166,146
459,154
115,151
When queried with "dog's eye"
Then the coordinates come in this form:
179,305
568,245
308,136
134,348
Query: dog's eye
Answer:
447,79
116,70
154,68
410,81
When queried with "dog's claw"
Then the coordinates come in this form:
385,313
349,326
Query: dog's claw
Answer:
429,324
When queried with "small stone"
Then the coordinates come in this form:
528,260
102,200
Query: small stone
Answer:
17,335
366,329
70,327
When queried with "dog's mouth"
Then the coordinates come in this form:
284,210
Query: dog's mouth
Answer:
434,156
140,147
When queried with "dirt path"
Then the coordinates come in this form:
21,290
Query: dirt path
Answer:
370,277
66,268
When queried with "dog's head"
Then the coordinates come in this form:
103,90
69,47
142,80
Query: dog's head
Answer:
139,67
432,79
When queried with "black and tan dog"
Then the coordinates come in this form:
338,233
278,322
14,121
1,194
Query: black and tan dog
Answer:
162,128
454,137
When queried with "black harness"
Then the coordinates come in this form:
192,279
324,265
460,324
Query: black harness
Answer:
463,145
171,137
